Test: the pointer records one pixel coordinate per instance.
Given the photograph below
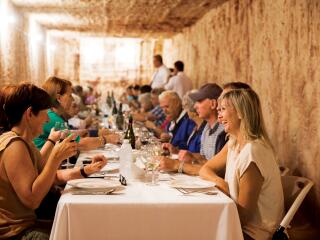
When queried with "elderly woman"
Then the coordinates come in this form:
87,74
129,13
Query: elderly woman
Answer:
252,176
60,91
145,108
26,174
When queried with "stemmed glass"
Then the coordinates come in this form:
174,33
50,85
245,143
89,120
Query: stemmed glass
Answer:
153,166
152,163
63,127
144,137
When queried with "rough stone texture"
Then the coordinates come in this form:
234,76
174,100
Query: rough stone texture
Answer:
274,46
117,17
86,59
21,59
63,60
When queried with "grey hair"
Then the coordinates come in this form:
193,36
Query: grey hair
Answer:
188,102
172,95
146,99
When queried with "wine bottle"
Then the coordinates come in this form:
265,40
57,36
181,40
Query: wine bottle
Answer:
112,96
114,109
109,100
130,133
120,118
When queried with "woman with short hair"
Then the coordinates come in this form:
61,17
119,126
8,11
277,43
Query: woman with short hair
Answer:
26,175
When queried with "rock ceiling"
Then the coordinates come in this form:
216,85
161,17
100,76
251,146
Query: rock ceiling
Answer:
129,18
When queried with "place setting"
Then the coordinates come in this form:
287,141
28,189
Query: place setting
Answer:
95,186
196,186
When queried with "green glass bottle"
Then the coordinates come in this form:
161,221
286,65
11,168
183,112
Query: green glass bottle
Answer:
120,118
109,100
130,133
114,109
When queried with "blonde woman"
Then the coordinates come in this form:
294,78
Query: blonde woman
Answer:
252,176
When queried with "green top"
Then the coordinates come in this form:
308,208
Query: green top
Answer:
53,118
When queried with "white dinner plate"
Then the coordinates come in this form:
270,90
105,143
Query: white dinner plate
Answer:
191,184
111,147
94,183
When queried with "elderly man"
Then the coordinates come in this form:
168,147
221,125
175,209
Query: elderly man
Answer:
180,126
161,75
213,137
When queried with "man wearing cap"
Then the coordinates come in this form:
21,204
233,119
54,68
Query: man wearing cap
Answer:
213,137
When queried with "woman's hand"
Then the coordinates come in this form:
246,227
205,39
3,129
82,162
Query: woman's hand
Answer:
104,131
113,138
54,135
65,149
98,162
83,132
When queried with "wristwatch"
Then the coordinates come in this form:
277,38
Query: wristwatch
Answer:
82,172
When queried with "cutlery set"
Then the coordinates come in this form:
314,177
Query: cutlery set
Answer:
185,191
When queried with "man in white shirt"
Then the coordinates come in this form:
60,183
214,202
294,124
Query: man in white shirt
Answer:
161,75
179,83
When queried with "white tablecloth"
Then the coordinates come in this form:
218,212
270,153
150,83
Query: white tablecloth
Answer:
146,212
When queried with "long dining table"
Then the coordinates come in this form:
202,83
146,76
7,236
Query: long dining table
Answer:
140,211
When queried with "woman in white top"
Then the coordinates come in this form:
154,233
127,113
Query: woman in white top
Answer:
252,176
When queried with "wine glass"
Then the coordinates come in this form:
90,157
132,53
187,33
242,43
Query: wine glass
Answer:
63,127
152,165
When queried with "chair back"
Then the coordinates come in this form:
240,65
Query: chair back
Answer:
284,170
295,190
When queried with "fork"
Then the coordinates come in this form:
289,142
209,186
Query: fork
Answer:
109,192
188,192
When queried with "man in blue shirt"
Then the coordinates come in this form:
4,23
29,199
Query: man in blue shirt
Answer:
180,126
213,136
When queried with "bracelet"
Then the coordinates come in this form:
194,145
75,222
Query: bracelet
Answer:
82,172
180,169
50,140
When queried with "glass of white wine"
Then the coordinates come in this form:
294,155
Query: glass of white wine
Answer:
63,127
152,166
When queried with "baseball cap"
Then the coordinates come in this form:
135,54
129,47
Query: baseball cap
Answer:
208,90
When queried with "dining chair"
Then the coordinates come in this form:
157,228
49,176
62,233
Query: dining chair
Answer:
295,190
284,170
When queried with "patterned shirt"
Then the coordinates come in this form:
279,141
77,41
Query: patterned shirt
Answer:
212,140
159,114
